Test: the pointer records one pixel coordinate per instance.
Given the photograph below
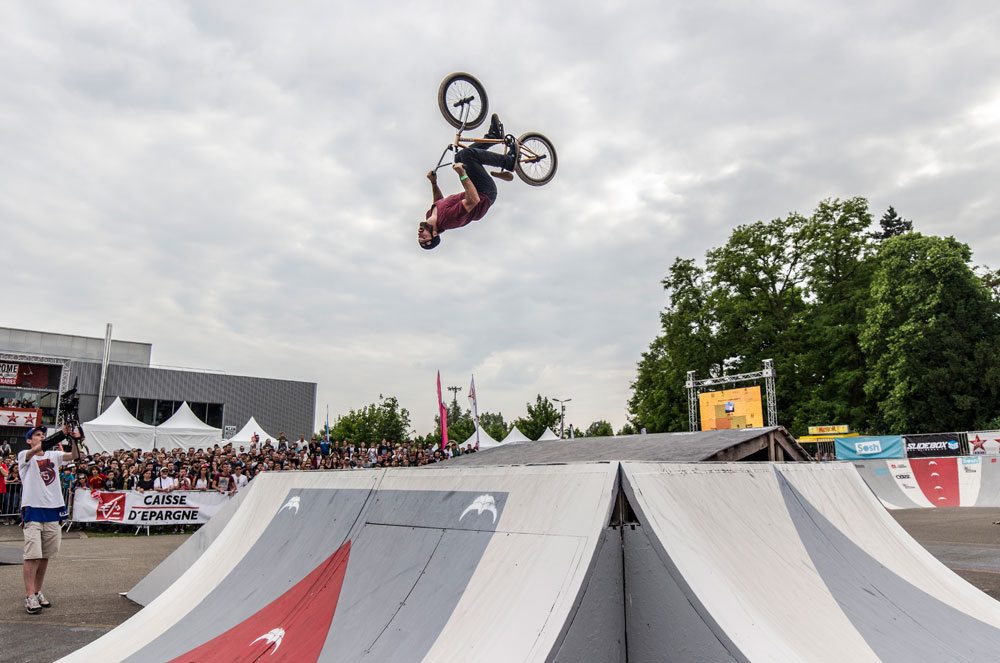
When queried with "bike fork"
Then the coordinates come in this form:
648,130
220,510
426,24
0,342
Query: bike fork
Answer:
455,145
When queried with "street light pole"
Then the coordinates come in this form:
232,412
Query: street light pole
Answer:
455,390
562,413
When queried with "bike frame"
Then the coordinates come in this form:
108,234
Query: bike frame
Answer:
526,155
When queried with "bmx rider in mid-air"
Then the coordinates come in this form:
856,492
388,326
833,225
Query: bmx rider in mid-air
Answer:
461,209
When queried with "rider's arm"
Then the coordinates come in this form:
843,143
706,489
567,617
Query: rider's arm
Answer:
74,454
471,198
435,189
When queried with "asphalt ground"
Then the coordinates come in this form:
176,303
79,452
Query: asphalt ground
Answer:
84,581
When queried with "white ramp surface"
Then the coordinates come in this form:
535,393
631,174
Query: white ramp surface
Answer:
802,563
464,564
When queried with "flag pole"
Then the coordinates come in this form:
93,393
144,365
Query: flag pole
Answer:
475,408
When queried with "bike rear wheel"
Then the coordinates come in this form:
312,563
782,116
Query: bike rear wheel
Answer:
537,162
462,97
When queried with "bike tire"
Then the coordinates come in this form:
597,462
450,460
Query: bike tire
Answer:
456,87
538,161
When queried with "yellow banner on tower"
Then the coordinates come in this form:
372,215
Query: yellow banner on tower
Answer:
731,408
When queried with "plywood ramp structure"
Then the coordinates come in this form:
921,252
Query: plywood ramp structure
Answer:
597,561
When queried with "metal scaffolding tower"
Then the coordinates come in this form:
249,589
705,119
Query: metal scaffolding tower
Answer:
770,399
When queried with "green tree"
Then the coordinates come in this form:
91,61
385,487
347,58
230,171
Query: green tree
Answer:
494,425
627,429
837,251
758,303
384,420
793,289
543,414
930,338
891,225
599,428
659,401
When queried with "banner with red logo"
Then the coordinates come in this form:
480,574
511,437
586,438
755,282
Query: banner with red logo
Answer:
129,507
8,373
984,442
20,416
36,376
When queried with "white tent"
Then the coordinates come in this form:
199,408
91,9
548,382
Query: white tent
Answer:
485,441
184,430
548,435
116,428
515,436
251,427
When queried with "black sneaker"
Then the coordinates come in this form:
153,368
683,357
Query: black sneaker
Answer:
513,152
496,128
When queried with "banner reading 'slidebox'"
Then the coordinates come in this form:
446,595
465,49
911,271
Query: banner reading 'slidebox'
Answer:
129,507
933,444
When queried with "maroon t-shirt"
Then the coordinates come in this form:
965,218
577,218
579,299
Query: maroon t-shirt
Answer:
451,213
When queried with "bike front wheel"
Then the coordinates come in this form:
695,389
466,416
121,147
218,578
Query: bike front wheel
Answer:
462,100
537,162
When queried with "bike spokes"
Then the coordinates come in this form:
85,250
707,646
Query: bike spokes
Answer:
537,162
462,100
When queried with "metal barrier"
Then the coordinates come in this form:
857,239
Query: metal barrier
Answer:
10,502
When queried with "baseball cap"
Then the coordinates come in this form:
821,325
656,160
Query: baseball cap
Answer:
33,430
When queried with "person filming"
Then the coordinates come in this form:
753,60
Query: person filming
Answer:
42,507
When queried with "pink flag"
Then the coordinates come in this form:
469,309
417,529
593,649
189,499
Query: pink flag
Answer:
444,416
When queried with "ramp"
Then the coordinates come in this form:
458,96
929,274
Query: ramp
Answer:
179,561
476,564
790,563
920,483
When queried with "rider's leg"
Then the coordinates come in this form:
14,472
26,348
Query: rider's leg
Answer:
474,160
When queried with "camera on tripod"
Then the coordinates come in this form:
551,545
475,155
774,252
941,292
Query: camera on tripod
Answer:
69,407
69,415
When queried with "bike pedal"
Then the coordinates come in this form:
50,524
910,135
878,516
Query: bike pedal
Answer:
504,175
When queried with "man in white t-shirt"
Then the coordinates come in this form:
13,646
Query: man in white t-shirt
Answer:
164,483
240,478
42,508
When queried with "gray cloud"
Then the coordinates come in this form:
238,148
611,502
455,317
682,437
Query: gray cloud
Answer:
239,183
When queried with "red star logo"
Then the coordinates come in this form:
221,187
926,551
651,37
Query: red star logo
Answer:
978,443
12,418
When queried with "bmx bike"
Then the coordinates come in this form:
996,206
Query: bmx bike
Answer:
464,104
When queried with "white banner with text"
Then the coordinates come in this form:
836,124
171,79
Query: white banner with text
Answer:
129,507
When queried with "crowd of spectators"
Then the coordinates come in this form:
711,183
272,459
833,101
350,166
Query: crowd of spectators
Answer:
14,402
225,468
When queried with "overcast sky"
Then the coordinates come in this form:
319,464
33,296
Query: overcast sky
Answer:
239,183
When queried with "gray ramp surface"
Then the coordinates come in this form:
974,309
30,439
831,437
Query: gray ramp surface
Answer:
386,563
285,553
180,560
661,617
676,447
899,622
794,562
989,488
878,476
480,564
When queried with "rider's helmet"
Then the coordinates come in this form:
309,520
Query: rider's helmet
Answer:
434,241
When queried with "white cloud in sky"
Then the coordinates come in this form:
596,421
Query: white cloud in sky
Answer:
239,182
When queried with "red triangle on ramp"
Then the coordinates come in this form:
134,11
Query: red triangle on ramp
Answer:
293,627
